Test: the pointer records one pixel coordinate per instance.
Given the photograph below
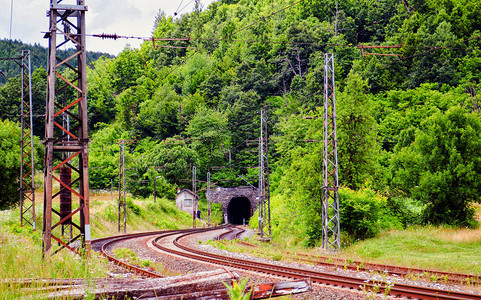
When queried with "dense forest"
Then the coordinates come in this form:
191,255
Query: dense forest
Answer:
408,116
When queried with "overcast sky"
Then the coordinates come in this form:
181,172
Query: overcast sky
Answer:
123,17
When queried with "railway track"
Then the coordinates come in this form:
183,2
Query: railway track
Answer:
233,233
400,290
104,244
423,274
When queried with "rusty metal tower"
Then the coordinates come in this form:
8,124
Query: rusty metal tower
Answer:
66,94
27,166
264,185
330,180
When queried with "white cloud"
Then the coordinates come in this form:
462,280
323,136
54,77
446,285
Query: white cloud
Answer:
123,17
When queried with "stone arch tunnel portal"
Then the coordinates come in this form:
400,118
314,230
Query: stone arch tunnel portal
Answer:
239,210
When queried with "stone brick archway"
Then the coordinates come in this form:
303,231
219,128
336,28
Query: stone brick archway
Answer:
238,203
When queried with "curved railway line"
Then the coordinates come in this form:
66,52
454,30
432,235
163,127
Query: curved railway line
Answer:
180,248
337,263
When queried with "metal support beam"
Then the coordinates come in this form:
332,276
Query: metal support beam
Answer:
27,165
208,201
69,96
122,222
264,185
195,201
330,181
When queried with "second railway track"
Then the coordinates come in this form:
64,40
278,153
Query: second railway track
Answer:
327,278
180,248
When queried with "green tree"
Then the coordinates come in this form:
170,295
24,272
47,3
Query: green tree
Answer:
10,100
209,136
104,157
159,115
442,167
9,163
172,159
356,133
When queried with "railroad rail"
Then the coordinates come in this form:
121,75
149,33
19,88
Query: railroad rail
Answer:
103,244
233,233
338,263
401,290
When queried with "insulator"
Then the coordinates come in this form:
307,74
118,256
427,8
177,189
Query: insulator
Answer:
107,36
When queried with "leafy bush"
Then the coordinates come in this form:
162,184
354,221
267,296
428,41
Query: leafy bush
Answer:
442,166
9,163
126,254
365,213
408,210
111,212
133,207
238,290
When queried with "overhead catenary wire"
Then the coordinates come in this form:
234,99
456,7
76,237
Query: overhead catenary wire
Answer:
178,11
11,18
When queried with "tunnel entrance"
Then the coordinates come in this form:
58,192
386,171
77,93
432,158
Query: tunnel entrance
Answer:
239,208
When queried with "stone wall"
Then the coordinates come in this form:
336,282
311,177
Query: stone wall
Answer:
225,195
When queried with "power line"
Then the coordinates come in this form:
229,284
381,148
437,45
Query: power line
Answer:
11,18
178,11
175,13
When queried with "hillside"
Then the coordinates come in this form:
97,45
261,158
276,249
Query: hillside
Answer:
408,120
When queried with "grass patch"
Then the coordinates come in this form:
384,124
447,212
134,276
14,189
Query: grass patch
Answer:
21,250
21,247
429,247
142,215
444,249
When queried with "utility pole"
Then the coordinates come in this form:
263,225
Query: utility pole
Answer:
194,189
330,180
155,186
67,27
208,202
27,165
264,185
122,199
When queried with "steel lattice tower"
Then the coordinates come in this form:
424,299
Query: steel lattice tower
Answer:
122,221
264,185
66,93
330,180
208,201
27,166
194,201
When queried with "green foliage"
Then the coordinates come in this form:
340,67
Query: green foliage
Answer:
408,210
186,106
238,290
126,254
159,115
104,157
9,163
442,166
209,137
356,133
364,213
133,207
